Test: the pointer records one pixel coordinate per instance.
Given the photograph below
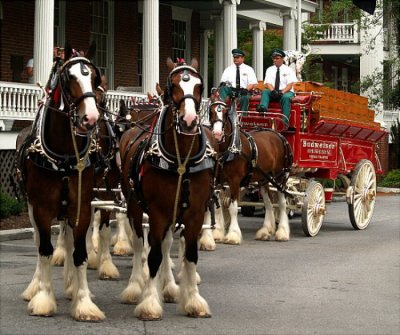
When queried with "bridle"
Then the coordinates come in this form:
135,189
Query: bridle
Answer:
73,103
186,69
219,107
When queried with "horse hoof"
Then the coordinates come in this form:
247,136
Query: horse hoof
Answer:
209,247
201,315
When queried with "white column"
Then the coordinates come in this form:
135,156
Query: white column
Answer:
371,45
289,29
43,40
258,48
230,29
218,49
204,60
151,47
299,25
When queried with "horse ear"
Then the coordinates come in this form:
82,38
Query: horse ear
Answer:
159,89
195,63
67,51
91,51
170,64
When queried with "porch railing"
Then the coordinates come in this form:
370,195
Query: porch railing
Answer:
338,32
20,101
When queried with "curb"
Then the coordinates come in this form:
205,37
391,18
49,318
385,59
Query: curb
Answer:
21,234
388,190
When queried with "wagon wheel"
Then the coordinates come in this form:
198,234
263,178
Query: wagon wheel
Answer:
361,202
313,210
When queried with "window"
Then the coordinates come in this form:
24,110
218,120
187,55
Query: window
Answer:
178,39
140,49
99,33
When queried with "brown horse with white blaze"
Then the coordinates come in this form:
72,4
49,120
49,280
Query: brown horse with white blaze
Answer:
57,174
167,171
262,157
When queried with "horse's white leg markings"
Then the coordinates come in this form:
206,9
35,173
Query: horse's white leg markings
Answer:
123,244
69,271
283,232
219,231
234,235
107,269
59,252
133,291
190,300
268,227
167,282
83,308
33,286
96,230
206,239
89,107
43,301
150,307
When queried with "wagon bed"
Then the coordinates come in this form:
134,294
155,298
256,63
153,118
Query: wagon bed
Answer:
332,135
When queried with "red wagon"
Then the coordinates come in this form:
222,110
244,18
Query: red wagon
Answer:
333,136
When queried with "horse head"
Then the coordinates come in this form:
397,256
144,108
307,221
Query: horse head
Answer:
218,114
184,90
79,79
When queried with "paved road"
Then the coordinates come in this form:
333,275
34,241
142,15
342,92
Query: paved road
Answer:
340,282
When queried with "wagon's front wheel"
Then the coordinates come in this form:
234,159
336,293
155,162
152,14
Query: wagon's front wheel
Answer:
313,210
361,194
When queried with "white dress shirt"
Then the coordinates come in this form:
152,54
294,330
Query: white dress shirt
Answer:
247,75
287,76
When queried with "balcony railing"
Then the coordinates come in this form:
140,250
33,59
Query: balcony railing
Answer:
20,101
338,32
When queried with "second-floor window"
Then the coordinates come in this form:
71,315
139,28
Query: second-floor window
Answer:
178,39
99,33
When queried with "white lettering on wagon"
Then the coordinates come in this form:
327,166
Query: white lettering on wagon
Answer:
318,150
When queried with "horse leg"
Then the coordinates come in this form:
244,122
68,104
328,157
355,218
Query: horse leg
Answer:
206,241
190,300
133,291
69,263
219,231
150,308
33,286
82,308
234,235
283,229
181,257
59,252
268,228
123,246
106,267
92,238
43,302
168,286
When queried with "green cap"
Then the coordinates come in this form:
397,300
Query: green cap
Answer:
237,52
278,52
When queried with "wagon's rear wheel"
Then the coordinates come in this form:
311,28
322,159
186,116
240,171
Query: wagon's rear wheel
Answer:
362,194
313,210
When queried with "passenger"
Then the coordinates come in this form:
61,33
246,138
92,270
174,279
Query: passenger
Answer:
279,79
241,77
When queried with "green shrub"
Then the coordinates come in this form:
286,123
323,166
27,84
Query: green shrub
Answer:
10,206
392,179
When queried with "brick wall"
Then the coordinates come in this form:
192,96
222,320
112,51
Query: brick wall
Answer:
125,44
16,36
383,153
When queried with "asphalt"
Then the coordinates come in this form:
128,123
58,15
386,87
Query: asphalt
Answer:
27,233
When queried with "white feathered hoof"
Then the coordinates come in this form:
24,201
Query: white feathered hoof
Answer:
58,257
263,234
92,260
122,248
207,244
170,292
131,294
197,307
87,311
149,310
42,304
218,235
233,238
31,290
281,236
108,271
